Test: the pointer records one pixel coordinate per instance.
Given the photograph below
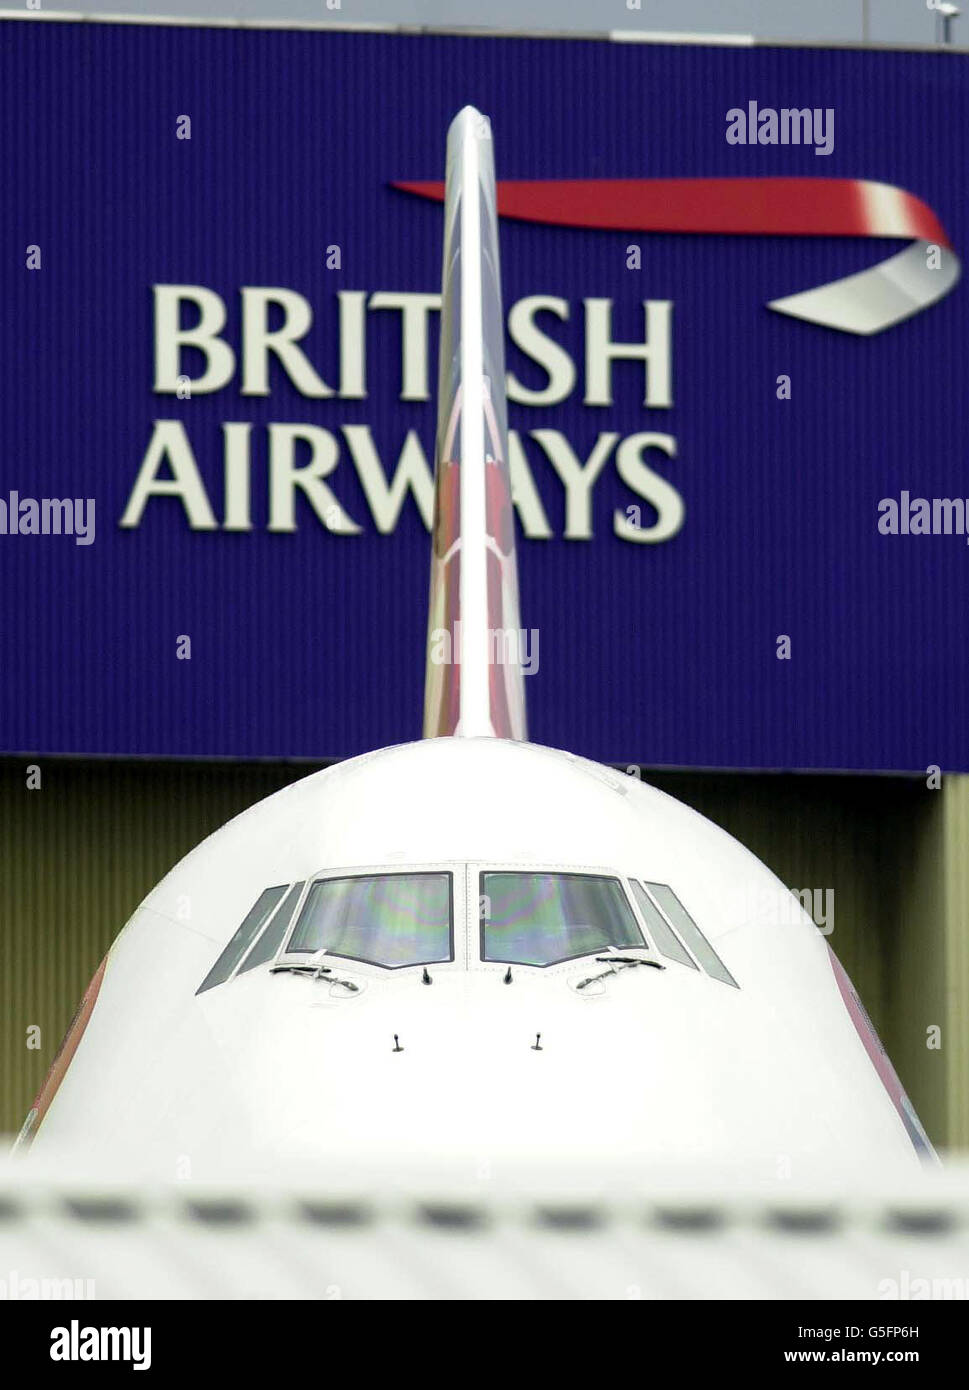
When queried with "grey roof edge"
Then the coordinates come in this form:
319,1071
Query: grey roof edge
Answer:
659,37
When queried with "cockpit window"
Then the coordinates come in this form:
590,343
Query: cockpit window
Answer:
271,939
541,919
690,933
391,920
253,923
662,933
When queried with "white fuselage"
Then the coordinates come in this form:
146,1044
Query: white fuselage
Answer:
670,1067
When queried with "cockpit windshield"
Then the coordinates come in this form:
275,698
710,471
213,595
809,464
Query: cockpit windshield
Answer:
541,918
383,919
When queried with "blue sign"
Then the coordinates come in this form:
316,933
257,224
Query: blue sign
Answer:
735,345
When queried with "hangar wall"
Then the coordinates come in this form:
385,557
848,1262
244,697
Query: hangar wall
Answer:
78,855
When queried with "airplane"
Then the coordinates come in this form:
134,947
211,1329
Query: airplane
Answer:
472,946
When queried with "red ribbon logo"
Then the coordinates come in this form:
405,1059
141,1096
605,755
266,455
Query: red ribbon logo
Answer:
868,302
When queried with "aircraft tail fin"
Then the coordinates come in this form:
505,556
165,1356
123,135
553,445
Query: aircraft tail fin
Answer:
474,685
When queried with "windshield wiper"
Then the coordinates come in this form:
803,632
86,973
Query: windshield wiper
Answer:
317,972
615,963
628,960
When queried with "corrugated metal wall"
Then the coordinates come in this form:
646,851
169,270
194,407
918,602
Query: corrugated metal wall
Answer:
78,855
76,858
879,843
955,1042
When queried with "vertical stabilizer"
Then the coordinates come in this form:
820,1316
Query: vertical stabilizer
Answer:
474,682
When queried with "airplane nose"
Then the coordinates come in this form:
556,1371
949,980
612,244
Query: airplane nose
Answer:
473,1065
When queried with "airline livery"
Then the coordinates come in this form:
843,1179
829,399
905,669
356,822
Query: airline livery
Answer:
472,947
